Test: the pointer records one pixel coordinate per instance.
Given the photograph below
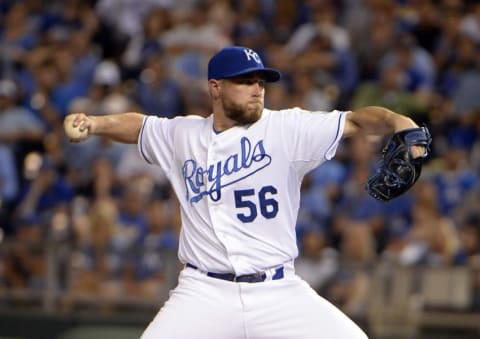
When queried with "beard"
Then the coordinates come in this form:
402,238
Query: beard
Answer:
242,114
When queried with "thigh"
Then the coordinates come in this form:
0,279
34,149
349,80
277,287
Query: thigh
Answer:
199,307
290,309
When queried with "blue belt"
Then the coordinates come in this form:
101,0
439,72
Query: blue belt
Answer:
248,278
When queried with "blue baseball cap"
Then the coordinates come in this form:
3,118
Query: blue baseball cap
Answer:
237,60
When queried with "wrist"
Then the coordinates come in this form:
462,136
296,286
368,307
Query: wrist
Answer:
94,125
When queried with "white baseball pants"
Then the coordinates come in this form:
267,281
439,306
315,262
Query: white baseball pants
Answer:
202,307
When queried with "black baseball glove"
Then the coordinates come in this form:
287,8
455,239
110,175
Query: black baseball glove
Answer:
398,170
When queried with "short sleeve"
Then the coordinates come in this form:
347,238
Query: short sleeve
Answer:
155,142
314,135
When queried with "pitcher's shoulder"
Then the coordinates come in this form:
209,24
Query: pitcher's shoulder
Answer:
188,123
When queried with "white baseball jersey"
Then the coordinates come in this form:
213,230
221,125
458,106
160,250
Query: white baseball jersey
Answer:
239,190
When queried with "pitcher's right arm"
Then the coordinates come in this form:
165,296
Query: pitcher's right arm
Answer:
122,127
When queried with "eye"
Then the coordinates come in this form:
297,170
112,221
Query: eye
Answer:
260,82
250,81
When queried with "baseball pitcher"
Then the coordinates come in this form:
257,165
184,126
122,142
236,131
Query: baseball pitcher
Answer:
237,175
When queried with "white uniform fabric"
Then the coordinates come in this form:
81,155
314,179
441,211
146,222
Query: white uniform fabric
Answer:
202,307
239,192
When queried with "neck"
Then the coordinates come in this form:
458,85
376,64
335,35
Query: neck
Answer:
220,121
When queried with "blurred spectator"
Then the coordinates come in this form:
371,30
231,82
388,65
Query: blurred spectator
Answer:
132,167
397,222
129,234
9,183
470,239
440,235
282,19
162,236
17,38
278,96
390,92
9,187
467,77
93,227
329,66
39,197
190,42
470,24
353,200
311,95
425,25
143,46
468,207
417,65
249,29
398,249
313,212
324,20
320,192
86,57
103,183
432,238
106,76
351,285
74,15
25,260
455,179
126,16
20,130
381,34
446,53
68,85
318,263
16,122
157,93
40,79
107,93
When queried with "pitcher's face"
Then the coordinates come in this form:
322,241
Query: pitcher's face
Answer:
242,97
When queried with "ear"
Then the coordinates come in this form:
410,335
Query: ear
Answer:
214,88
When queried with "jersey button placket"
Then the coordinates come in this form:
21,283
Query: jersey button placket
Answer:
214,206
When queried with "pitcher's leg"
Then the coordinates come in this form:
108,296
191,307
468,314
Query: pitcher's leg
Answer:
199,307
290,309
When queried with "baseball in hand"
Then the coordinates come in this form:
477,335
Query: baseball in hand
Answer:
72,132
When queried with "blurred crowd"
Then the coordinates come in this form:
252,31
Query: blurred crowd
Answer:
111,216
